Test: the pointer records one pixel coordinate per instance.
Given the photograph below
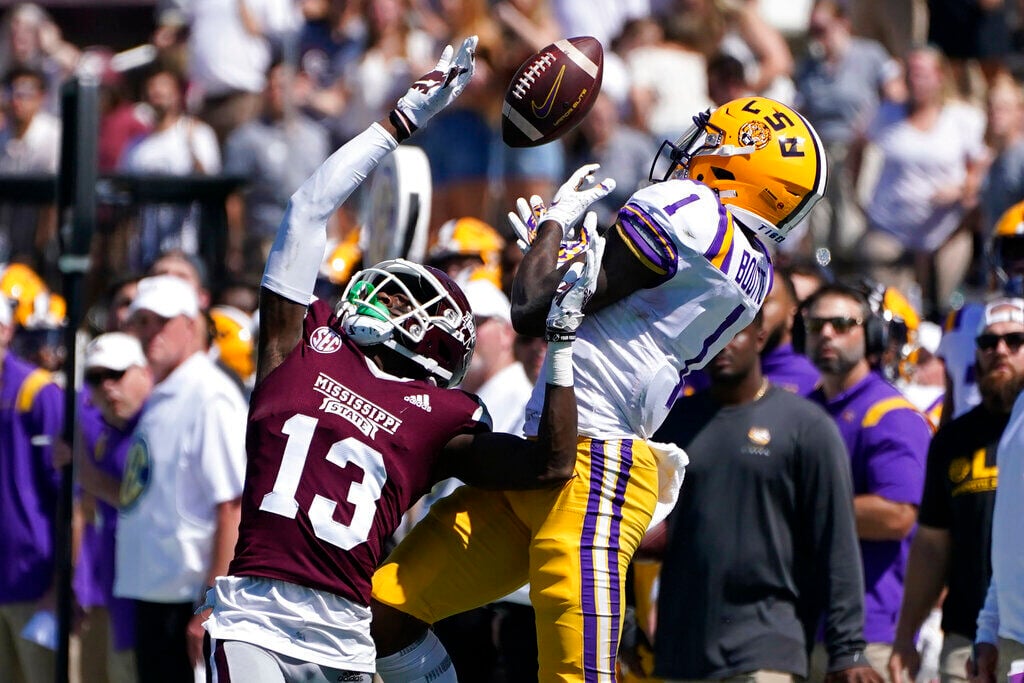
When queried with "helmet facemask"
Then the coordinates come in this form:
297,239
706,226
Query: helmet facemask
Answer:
436,332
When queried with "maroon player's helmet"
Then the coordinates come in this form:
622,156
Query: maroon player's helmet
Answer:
437,333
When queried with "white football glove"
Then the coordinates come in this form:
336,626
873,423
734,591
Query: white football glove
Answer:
574,291
439,88
575,196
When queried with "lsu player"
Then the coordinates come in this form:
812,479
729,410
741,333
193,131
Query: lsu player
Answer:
353,418
685,267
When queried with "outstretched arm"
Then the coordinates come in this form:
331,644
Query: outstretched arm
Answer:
294,260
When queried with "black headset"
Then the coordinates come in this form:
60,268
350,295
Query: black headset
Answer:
869,295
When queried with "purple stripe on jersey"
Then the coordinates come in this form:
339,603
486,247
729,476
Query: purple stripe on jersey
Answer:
726,324
728,256
723,229
625,466
588,586
654,244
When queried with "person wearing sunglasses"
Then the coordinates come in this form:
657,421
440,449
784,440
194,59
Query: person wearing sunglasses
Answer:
999,641
117,383
887,439
952,546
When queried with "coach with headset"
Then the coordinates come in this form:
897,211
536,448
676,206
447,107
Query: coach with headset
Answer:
887,439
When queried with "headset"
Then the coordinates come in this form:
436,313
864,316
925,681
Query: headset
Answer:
876,331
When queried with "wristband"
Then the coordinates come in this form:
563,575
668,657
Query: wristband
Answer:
558,364
404,127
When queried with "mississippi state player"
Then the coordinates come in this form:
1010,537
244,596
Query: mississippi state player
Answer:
353,419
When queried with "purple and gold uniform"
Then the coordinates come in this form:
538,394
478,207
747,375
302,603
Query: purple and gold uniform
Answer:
789,370
630,362
107,447
31,417
887,439
337,451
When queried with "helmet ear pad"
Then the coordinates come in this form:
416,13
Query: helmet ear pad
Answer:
876,331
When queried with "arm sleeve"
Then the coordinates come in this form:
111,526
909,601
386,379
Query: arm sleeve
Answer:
828,509
988,617
294,260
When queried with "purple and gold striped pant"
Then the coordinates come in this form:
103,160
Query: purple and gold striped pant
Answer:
572,544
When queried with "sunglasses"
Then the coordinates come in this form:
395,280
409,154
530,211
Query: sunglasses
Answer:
95,379
841,324
989,341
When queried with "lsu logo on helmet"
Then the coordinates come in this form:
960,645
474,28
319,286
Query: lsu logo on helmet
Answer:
762,158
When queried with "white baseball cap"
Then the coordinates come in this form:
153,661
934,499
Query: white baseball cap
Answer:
1003,310
166,295
114,351
487,301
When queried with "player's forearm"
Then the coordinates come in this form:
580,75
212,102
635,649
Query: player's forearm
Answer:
225,536
536,280
879,519
926,573
294,260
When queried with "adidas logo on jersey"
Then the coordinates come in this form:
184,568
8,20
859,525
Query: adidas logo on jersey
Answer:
420,401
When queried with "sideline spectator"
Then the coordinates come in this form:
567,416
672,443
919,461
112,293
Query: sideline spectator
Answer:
32,416
763,535
178,145
29,39
999,640
276,151
781,364
29,145
931,150
180,497
839,85
118,381
229,48
952,543
887,439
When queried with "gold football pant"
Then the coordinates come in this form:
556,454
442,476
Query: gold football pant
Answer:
572,544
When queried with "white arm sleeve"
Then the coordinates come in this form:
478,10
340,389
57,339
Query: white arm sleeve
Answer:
294,260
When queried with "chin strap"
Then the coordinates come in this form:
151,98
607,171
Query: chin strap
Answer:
428,364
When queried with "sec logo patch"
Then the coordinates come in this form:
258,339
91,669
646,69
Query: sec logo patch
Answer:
325,340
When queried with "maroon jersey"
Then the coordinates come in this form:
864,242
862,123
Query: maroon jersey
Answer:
336,454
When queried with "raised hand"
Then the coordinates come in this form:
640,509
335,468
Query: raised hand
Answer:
436,90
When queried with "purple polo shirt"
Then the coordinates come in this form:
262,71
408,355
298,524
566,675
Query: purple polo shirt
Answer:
107,447
887,439
789,370
31,419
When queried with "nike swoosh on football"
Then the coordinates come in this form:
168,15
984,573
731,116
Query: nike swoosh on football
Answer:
544,109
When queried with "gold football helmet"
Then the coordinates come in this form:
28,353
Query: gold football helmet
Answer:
22,286
469,237
1007,249
234,340
761,157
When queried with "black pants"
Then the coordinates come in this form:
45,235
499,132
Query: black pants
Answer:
161,645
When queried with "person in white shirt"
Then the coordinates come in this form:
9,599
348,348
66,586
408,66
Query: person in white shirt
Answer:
182,485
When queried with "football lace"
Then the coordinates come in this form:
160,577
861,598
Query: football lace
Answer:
532,73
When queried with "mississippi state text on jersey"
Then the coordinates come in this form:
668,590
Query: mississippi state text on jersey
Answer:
337,451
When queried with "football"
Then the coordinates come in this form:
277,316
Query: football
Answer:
552,92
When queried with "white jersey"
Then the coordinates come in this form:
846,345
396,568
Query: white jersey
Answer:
629,357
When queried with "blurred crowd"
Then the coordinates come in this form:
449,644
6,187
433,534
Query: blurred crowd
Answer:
919,107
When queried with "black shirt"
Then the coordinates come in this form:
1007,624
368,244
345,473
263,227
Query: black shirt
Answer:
959,494
762,537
